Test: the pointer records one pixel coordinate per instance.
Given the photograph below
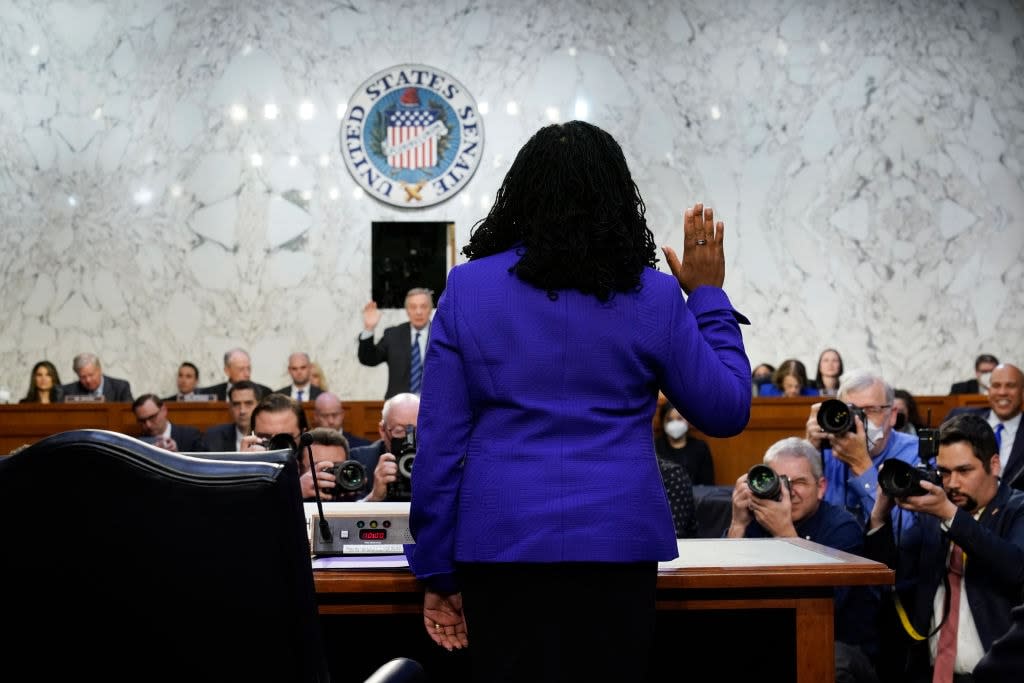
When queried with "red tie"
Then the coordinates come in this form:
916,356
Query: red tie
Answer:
945,656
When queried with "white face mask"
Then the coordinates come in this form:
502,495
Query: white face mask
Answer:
875,434
985,380
676,428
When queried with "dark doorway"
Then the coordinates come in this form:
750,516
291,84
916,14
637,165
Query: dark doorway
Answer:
409,254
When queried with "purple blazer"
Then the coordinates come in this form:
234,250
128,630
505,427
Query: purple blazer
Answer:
535,441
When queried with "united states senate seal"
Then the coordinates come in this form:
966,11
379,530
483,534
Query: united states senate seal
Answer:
412,136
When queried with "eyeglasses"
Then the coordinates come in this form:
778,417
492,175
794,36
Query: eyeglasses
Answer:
875,411
397,432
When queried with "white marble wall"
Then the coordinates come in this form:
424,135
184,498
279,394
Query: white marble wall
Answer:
865,155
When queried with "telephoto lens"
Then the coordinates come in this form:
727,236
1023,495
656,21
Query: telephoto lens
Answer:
899,480
764,483
836,417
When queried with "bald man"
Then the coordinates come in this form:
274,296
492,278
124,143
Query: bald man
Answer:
1005,396
300,367
330,413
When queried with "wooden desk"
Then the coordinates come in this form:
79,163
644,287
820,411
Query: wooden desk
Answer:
771,419
802,588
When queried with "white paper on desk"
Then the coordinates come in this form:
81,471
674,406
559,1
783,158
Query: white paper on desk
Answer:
361,562
742,552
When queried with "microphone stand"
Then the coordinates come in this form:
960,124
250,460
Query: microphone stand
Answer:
325,528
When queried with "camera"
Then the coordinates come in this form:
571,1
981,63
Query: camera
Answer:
899,480
764,483
836,417
350,478
405,453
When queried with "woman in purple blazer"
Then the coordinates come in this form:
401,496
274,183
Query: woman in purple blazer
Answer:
538,508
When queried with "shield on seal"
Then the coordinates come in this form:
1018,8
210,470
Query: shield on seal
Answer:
412,133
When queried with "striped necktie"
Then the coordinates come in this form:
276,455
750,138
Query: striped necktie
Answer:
415,367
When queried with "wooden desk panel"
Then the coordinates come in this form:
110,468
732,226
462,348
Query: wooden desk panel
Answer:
804,589
771,419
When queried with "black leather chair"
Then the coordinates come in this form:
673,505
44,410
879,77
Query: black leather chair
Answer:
120,561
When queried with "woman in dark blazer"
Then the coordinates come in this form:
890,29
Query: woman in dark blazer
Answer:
538,508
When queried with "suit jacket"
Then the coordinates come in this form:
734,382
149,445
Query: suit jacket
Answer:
1013,473
395,349
188,439
967,387
221,391
994,572
1005,661
114,389
221,438
535,421
355,441
311,393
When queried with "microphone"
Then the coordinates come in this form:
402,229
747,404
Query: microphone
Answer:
306,441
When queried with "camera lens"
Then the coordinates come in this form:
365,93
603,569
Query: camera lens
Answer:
764,483
350,475
835,417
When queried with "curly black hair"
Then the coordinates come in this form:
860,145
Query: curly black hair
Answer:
570,206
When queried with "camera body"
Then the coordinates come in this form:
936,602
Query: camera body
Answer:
899,480
765,483
404,450
837,417
350,479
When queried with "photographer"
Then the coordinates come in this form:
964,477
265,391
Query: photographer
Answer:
972,515
330,449
399,411
801,511
851,457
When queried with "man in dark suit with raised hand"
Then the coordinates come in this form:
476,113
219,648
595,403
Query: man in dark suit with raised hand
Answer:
92,382
403,347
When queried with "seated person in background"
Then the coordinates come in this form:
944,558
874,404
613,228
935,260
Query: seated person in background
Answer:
830,370
151,414
329,412
970,537
675,446
317,377
789,381
851,458
908,420
760,376
802,512
398,412
92,381
983,367
329,448
43,384
274,415
237,367
187,380
679,490
301,388
226,438
1005,400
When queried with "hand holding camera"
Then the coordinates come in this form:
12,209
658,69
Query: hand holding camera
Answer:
841,425
771,500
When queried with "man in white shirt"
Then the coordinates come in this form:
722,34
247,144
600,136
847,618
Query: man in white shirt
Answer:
300,368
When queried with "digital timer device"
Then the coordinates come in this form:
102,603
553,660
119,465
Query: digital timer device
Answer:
359,528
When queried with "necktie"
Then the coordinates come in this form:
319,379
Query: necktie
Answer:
999,436
945,655
415,367
298,395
